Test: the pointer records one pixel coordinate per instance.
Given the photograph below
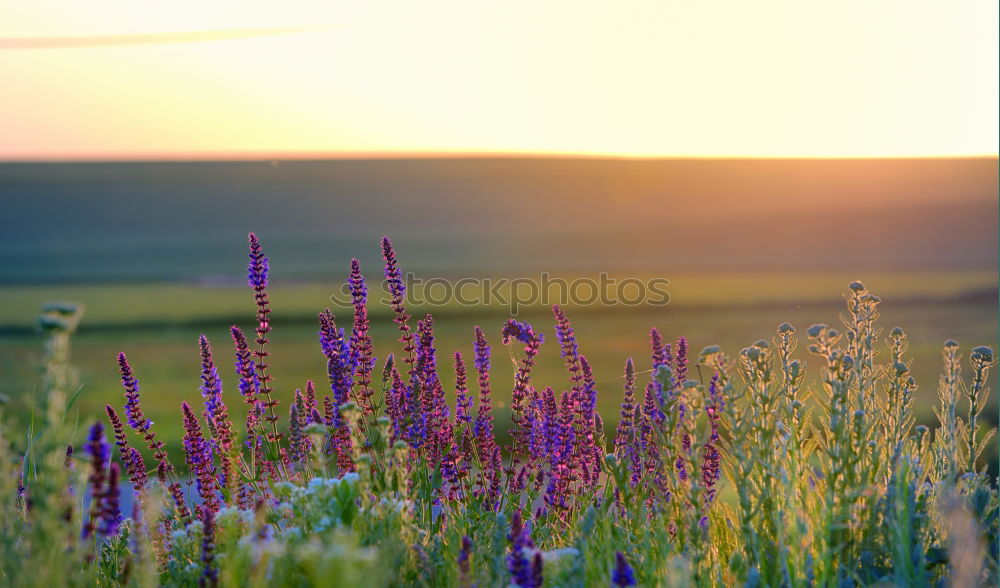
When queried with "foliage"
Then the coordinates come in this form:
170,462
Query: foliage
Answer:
757,476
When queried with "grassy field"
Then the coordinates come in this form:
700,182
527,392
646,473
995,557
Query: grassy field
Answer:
157,325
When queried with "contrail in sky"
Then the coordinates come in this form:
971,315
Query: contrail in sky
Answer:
82,42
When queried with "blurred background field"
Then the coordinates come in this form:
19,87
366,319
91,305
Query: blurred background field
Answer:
156,252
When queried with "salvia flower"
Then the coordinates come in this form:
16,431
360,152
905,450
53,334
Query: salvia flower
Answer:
464,553
623,574
484,416
110,517
681,361
257,275
361,342
524,333
198,455
210,573
625,434
397,291
463,402
519,563
133,409
130,456
99,451
249,385
216,412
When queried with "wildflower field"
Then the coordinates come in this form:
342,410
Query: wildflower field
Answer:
718,469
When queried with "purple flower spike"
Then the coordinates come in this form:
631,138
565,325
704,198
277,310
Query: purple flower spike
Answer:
257,269
199,459
110,515
569,350
209,574
623,574
136,468
216,412
249,385
463,402
99,450
257,279
463,561
361,342
681,361
130,456
625,433
484,416
136,419
521,331
397,291
524,333
524,572
133,410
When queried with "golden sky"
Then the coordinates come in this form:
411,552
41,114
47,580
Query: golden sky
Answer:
799,78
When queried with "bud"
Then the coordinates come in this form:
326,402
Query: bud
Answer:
815,330
983,354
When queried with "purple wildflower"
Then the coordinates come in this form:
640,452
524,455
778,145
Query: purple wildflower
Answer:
710,468
681,361
198,455
137,420
463,402
136,468
522,572
623,574
659,352
110,510
569,351
257,271
176,493
99,451
209,574
130,456
590,455
524,333
626,427
484,416
464,553
248,385
298,443
311,403
681,466
216,412
339,364
361,342
397,291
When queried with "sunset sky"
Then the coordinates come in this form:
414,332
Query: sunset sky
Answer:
638,78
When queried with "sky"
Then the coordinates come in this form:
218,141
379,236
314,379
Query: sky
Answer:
798,78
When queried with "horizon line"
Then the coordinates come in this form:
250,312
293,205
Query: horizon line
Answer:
277,156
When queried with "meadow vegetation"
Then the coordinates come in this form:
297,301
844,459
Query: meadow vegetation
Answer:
716,470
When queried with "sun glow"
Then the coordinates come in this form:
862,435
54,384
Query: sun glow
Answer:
656,78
